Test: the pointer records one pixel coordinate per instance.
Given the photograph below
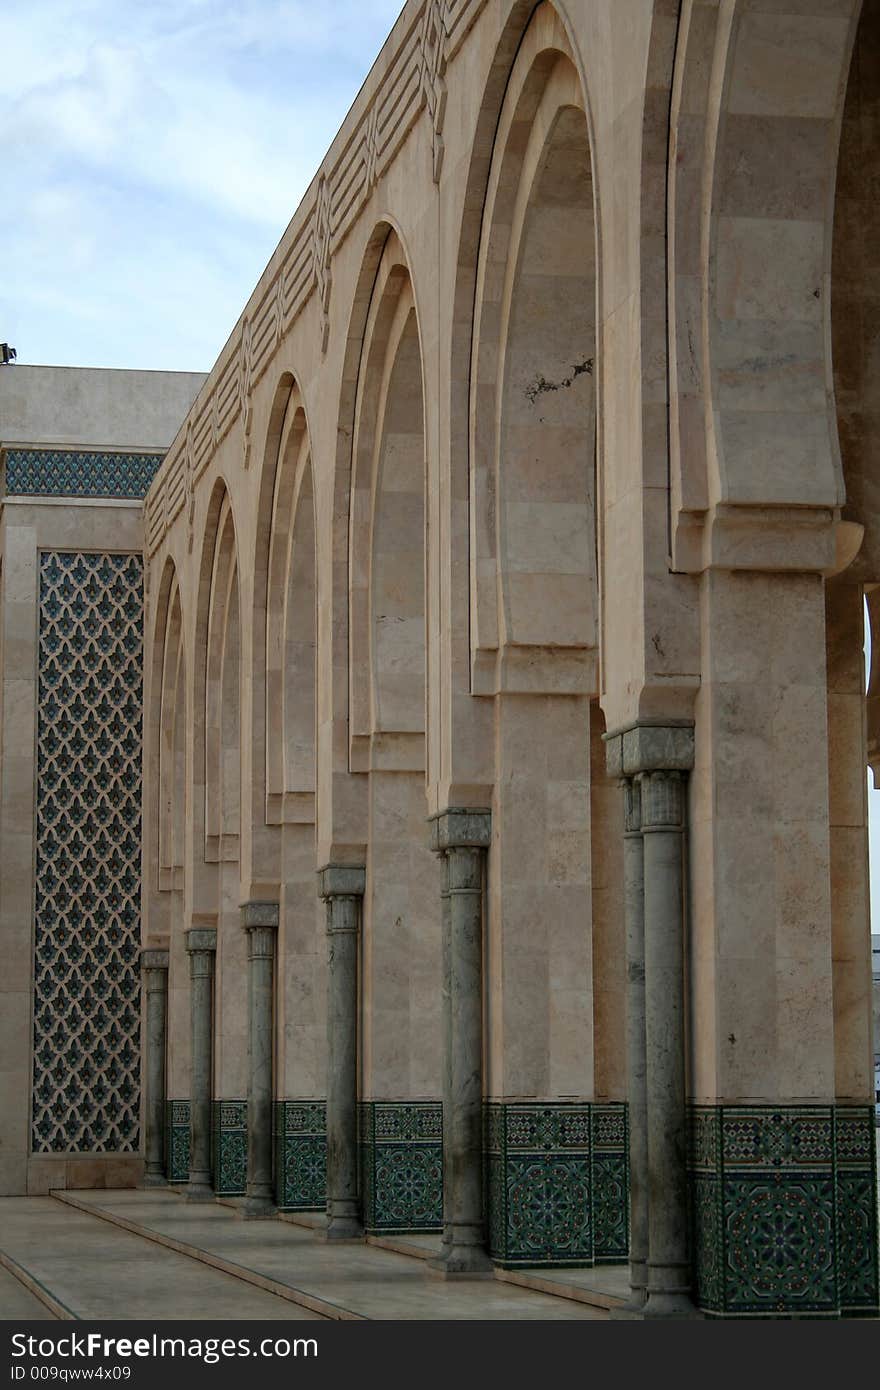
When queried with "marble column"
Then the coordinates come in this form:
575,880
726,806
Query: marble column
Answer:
462,837
154,965
669,1275
201,946
260,921
636,1060
446,1025
655,761
342,888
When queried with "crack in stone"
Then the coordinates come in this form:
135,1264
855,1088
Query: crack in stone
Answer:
541,384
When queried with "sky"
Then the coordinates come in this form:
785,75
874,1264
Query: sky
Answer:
152,153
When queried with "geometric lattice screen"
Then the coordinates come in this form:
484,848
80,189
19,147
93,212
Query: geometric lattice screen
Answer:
86,1085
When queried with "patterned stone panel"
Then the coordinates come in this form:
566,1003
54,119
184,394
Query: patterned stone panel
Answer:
300,1133
229,1146
856,1199
609,1183
86,1070
177,1140
783,1211
78,473
401,1160
540,1177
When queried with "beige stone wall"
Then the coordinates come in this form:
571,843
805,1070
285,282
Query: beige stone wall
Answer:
529,432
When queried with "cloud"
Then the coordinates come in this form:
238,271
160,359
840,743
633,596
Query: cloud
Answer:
165,144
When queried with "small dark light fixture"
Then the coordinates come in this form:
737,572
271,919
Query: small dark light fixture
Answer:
7,355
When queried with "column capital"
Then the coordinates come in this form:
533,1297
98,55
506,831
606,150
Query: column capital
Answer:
261,943
632,806
665,747
259,914
200,939
461,828
663,800
341,881
152,959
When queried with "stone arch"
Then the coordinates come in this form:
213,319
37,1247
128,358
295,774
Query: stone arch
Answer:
222,698
291,622
291,561
852,720
757,106
172,749
163,649
534,592
854,298
532,400
217,756
387,662
342,797
387,531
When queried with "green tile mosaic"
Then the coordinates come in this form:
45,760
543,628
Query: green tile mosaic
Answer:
229,1147
177,1140
300,1142
79,473
557,1183
401,1165
784,1211
609,1186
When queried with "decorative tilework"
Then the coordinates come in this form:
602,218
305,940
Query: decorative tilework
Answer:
783,1211
86,1070
75,473
177,1140
609,1184
538,1172
229,1147
300,1134
855,1154
401,1160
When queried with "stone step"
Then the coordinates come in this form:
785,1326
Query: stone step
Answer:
77,1267
341,1281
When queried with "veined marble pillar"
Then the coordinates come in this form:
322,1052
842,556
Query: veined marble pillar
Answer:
154,965
260,921
201,946
636,1058
462,838
655,761
342,888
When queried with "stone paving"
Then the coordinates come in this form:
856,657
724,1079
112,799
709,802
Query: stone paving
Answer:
74,1246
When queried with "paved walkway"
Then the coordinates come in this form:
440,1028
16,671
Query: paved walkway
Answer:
152,1255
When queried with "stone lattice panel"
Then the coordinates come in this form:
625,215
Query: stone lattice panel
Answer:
86,1091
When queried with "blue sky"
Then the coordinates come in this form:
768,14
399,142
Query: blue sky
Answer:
151,155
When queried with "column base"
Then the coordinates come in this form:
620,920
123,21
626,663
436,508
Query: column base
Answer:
662,1306
257,1208
633,1308
461,1260
345,1228
344,1220
199,1191
669,1292
154,1180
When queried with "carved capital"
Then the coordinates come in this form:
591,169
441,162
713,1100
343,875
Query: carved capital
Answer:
460,828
